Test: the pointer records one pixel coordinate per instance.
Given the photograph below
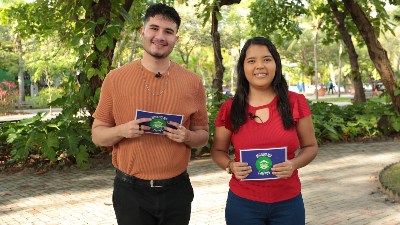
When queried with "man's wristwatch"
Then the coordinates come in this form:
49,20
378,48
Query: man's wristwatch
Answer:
228,168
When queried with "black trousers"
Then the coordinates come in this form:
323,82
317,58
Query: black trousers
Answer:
138,205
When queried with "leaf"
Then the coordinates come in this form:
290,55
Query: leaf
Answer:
110,41
101,43
76,39
85,135
41,171
396,126
91,72
52,140
110,30
101,20
22,147
11,138
92,57
50,153
53,125
25,122
72,142
82,158
90,25
126,15
396,92
58,102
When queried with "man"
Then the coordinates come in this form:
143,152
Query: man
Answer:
330,86
152,185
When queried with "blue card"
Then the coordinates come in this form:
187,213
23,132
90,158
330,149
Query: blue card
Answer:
158,120
262,160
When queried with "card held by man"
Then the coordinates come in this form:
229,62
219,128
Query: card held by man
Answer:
158,120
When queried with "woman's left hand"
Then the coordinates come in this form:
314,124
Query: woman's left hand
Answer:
180,134
283,170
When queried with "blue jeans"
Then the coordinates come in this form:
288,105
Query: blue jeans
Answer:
243,211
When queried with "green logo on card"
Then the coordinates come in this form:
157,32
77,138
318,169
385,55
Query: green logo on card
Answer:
157,124
263,164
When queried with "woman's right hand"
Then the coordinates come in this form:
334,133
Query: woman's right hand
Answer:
241,170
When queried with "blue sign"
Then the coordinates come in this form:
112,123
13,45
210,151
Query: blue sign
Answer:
158,120
262,160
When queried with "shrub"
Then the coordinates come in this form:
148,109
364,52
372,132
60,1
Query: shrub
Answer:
42,99
8,96
213,107
49,139
332,122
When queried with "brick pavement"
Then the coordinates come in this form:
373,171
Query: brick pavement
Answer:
337,189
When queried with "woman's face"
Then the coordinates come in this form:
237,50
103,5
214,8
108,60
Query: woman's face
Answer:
259,67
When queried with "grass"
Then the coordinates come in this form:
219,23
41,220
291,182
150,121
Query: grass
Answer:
391,177
341,99
347,99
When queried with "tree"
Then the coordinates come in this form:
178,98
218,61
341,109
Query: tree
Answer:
92,28
343,26
376,52
48,61
212,9
317,20
191,34
8,58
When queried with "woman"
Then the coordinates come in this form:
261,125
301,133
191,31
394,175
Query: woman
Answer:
264,114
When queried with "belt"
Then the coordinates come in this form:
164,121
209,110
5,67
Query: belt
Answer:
152,183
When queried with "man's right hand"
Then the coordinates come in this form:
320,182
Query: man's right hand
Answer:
131,128
106,134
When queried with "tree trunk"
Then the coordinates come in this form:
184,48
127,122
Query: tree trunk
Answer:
316,62
21,83
102,9
340,67
49,86
359,95
219,68
376,52
398,61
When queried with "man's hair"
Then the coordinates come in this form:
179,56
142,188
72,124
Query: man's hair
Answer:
167,12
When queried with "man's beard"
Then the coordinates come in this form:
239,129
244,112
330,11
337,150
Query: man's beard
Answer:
158,55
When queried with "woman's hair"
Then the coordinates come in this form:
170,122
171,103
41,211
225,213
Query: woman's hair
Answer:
279,85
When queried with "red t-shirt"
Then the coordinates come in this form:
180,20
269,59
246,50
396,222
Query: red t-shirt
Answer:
270,134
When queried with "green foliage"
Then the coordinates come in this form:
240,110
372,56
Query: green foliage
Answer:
8,96
50,138
8,58
332,122
277,20
42,99
213,107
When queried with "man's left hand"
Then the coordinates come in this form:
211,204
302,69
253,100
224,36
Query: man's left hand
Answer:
179,135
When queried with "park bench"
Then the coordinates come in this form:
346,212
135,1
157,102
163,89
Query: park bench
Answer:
368,96
25,103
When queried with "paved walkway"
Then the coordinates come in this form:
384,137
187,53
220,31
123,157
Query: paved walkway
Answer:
29,113
339,187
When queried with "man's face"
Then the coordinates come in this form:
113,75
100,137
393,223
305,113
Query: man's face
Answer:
159,36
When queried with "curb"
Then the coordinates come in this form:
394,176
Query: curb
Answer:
385,189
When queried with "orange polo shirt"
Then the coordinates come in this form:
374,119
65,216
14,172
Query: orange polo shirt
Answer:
151,156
